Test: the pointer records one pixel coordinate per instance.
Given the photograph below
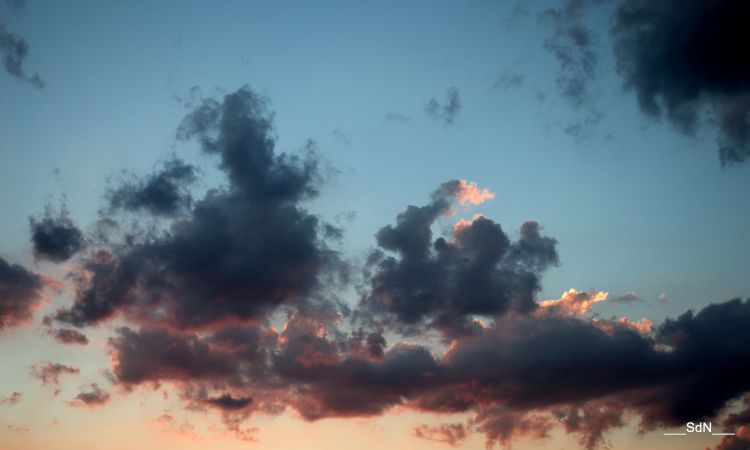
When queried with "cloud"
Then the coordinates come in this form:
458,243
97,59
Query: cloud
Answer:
70,336
397,118
572,45
509,80
470,193
93,397
444,324
50,373
228,403
574,303
740,441
163,193
447,111
14,49
55,236
240,252
448,433
153,355
20,292
444,284
627,298
11,400
688,59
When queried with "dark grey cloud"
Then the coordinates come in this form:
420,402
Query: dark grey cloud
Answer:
55,236
228,403
153,355
20,292
445,283
446,111
91,397
240,252
688,59
14,50
203,294
70,336
162,193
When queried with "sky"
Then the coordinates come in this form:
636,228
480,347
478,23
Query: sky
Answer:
395,224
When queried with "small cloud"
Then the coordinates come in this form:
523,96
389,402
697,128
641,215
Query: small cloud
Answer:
469,193
397,118
451,434
11,400
628,298
50,373
509,80
341,136
91,398
446,111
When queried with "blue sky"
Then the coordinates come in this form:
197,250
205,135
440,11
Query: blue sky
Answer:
647,210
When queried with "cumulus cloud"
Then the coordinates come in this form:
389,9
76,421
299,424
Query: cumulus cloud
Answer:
55,236
686,59
444,324
240,252
164,192
444,284
446,111
20,292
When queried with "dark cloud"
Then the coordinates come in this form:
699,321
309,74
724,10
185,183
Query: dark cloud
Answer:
55,236
20,292
228,403
153,355
163,193
14,49
445,283
49,373
447,111
203,296
741,441
447,433
688,59
591,422
11,400
240,252
70,336
92,397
